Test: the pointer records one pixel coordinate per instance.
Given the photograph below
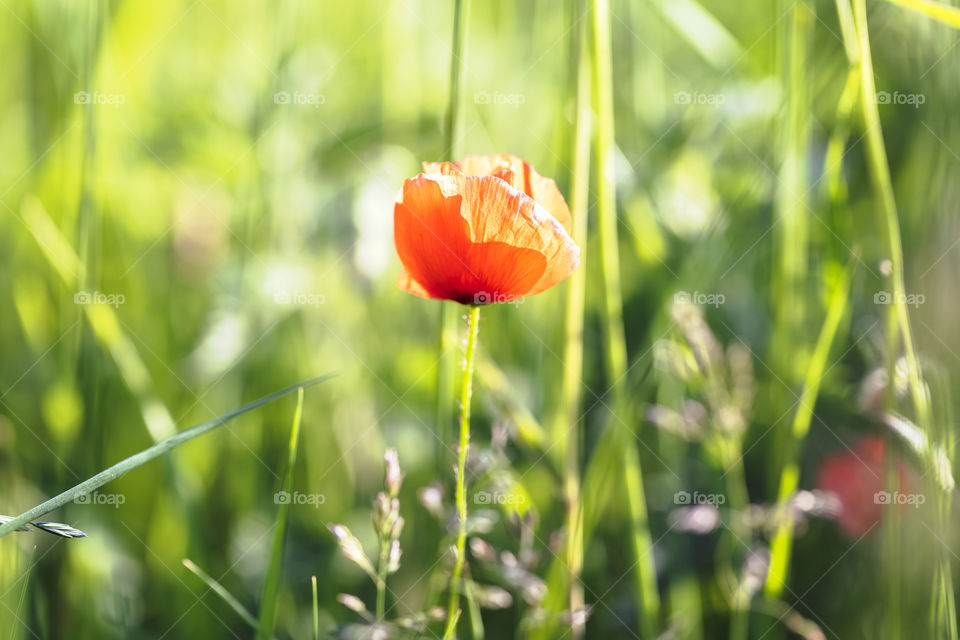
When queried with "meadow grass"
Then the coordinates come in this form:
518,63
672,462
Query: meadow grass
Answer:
567,396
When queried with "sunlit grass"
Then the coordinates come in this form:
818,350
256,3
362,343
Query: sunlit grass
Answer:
723,149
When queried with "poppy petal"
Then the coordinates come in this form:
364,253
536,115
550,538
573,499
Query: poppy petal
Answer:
477,240
408,284
500,213
516,172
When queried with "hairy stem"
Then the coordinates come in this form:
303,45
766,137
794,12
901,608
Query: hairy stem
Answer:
466,391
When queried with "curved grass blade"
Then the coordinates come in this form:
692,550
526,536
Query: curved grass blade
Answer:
221,591
271,588
946,14
24,589
148,454
790,475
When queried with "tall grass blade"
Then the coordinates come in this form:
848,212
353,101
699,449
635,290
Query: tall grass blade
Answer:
648,598
145,456
940,12
790,338
221,591
271,588
782,545
571,392
899,318
880,176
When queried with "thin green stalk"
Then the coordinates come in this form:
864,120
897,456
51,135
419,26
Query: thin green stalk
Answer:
271,586
782,544
382,578
880,175
833,177
316,609
736,486
458,68
222,591
648,598
466,391
792,207
573,331
943,607
892,527
454,149
792,212
88,224
898,322
565,574
148,454
473,606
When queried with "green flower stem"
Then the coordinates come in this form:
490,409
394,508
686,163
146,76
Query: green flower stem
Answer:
466,391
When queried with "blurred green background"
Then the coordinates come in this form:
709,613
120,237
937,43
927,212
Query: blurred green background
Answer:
221,175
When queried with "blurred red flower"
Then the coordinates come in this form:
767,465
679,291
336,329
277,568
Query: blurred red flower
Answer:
485,229
857,476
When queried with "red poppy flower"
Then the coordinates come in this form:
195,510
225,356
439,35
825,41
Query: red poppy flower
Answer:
858,478
486,229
